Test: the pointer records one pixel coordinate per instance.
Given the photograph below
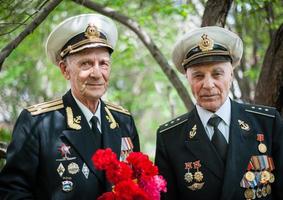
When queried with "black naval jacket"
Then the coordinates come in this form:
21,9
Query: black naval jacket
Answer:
50,153
183,144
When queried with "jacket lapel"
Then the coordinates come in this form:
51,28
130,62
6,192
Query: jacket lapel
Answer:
111,135
201,147
79,134
241,140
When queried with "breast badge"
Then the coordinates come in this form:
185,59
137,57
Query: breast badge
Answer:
73,168
65,153
258,178
61,169
67,186
193,132
193,176
243,125
85,170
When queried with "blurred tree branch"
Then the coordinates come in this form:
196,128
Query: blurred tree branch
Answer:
42,14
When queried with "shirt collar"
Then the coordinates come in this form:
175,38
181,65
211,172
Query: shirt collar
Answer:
87,112
224,112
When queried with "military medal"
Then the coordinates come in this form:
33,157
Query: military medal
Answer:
258,193
261,147
250,176
249,193
265,177
264,191
188,176
272,178
198,176
268,189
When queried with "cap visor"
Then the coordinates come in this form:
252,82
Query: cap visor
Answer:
209,59
92,45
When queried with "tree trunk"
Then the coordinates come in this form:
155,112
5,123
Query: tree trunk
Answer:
269,90
215,12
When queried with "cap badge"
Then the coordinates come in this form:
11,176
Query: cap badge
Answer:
91,32
206,43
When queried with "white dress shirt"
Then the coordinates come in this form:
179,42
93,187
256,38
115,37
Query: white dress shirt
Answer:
88,114
224,112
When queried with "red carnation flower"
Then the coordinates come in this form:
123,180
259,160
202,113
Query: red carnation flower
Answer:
136,179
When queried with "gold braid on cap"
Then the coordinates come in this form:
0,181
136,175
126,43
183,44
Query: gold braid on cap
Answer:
92,36
206,43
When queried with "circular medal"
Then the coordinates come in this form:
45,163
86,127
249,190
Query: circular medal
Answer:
262,148
198,176
268,189
258,193
272,177
249,193
188,177
250,176
73,168
265,177
264,191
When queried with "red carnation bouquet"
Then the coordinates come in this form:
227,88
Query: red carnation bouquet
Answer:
135,179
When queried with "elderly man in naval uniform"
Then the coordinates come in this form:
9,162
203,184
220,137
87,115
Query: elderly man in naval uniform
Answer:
221,150
53,142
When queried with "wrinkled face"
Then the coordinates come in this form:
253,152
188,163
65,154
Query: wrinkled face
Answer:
88,72
210,83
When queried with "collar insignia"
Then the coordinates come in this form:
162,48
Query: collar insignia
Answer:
73,123
110,119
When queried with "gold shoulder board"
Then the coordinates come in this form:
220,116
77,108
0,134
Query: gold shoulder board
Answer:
117,108
175,122
46,107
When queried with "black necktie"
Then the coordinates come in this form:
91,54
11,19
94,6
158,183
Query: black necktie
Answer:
97,134
218,139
